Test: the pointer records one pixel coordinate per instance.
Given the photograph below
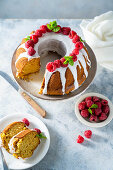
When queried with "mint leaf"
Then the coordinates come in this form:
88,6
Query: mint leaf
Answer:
28,38
90,111
94,106
65,62
82,40
71,62
56,29
53,24
41,136
49,27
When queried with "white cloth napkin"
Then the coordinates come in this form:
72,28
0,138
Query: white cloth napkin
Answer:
98,34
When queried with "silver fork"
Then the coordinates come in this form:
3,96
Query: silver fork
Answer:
5,167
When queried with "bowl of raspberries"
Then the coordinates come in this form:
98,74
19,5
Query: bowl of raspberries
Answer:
94,110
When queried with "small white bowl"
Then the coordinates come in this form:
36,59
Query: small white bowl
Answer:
93,124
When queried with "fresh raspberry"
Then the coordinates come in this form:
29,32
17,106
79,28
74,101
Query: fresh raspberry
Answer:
99,104
43,28
29,43
51,67
82,105
26,121
93,111
105,109
89,103
88,98
38,32
96,99
93,118
72,34
104,102
66,30
103,116
62,60
59,30
98,111
74,56
76,38
31,51
34,38
84,113
75,51
79,45
88,133
37,130
57,63
80,139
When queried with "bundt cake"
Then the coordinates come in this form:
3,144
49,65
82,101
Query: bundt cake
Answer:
24,143
63,75
19,140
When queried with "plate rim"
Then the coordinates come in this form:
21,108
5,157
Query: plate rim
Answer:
10,116
78,91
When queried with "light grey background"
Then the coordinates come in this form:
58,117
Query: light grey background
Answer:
53,8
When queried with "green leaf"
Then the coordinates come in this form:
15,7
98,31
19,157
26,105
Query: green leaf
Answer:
94,106
53,24
71,62
82,40
49,26
90,111
65,62
56,29
41,136
27,38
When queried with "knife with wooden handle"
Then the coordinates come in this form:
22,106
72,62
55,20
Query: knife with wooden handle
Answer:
27,97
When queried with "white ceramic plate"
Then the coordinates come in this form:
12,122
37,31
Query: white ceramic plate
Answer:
92,124
41,150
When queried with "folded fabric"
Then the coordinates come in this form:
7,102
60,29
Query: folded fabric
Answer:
98,34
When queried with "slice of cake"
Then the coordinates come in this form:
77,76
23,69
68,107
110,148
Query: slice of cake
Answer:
24,143
11,130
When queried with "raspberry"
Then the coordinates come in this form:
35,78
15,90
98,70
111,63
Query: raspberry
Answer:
72,34
96,99
98,111
74,56
89,103
50,66
80,139
75,38
35,38
105,109
98,104
57,63
104,102
37,130
84,113
59,30
75,51
79,45
88,98
93,118
88,133
43,28
93,111
38,32
82,105
26,121
31,51
103,116
29,43
66,30
62,61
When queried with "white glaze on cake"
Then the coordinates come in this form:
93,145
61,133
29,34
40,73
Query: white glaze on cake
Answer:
70,46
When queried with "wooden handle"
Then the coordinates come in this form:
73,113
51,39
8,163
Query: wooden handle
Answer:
33,104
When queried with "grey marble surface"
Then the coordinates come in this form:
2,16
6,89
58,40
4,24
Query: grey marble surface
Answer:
64,153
